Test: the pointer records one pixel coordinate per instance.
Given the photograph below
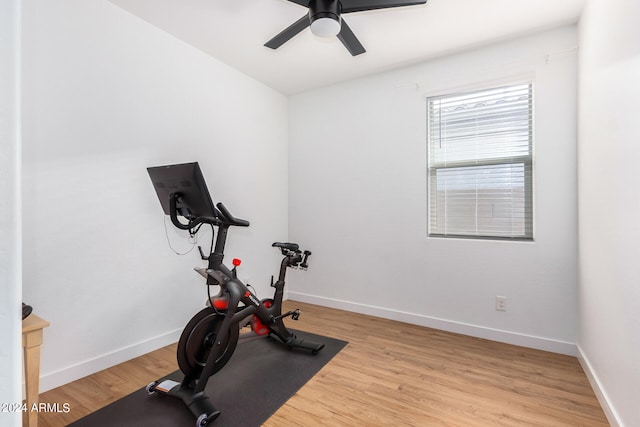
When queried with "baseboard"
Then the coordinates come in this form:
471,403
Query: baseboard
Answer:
596,385
71,373
508,337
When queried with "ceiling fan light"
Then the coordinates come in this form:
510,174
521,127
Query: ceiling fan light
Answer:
325,27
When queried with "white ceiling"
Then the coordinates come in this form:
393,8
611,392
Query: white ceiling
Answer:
234,32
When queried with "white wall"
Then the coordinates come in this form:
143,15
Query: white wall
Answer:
105,96
358,198
10,204
609,154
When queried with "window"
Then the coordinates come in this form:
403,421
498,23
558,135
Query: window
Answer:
480,163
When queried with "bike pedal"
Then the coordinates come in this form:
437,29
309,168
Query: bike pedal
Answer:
296,314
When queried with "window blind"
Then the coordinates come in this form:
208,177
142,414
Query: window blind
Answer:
480,163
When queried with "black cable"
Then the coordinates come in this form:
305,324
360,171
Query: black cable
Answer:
254,289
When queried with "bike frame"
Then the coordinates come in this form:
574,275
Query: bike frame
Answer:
238,292
239,303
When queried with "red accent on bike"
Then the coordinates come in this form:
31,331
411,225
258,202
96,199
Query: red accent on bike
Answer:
221,303
236,262
246,294
258,327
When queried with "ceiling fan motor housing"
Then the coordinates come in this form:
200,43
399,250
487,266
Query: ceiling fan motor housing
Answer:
324,9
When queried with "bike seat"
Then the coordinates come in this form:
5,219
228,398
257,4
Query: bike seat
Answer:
290,246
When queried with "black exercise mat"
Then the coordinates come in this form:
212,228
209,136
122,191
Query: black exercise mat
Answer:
260,377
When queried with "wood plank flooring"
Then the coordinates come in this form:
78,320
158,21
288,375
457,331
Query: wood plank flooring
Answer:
390,373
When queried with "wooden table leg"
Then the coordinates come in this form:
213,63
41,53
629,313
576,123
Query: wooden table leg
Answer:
32,334
32,374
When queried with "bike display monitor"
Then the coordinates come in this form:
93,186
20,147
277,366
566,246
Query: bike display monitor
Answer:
187,181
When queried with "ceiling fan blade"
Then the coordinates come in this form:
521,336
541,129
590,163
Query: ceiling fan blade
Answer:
288,32
361,5
349,40
304,3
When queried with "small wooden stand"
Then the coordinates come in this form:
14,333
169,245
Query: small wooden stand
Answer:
32,328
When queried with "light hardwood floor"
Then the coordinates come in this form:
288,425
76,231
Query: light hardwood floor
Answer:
390,374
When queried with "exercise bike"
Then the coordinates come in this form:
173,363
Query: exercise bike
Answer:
210,337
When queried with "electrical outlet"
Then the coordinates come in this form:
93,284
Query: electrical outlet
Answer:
501,303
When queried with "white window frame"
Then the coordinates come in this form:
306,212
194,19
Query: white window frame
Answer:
525,230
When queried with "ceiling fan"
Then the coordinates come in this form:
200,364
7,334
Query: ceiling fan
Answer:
325,20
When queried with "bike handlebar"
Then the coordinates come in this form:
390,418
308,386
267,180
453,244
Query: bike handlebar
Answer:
193,222
225,217
230,219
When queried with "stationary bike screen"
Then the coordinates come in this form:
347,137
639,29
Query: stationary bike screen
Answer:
185,179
